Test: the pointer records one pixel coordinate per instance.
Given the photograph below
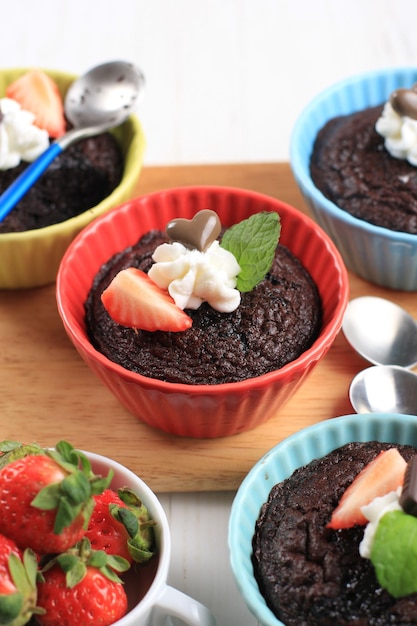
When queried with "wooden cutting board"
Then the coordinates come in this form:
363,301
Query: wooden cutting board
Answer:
47,393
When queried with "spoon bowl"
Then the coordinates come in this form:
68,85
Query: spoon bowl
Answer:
101,99
384,389
381,332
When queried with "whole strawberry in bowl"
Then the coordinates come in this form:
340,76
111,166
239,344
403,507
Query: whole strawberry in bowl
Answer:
18,592
82,586
86,542
86,180
120,525
46,496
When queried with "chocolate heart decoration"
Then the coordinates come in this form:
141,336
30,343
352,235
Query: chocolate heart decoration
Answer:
408,498
404,102
199,232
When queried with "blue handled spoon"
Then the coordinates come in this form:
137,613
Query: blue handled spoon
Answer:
101,99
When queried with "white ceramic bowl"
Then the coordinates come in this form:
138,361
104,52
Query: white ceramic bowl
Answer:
151,599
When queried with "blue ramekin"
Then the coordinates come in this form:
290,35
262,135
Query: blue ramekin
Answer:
295,451
379,255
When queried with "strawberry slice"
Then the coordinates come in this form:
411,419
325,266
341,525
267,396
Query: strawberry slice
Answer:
133,299
36,92
384,474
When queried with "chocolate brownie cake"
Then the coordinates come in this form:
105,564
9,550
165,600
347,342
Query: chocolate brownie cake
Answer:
274,323
311,575
352,167
78,179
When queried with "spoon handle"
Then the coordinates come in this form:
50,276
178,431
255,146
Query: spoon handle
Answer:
11,196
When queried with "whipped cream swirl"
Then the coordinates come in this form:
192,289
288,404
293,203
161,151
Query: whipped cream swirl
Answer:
373,512
193,277
400,134
20,139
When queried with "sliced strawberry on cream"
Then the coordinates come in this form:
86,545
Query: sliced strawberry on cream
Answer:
36,92
133,299
383,475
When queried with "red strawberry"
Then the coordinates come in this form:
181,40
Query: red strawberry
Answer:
81,587
120,524
133,299
36,92
7,547
46,499
18,592
384,474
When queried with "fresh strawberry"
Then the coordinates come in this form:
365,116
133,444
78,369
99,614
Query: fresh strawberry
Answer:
120,524
36,92
18,593
133,299
384,474
46,499
80,587
7,547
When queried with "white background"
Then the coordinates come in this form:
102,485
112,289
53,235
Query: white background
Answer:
226,80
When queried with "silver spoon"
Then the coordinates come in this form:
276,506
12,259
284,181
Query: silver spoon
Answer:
381,332
101,99
384,389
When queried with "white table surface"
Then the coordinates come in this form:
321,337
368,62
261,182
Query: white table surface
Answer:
200,557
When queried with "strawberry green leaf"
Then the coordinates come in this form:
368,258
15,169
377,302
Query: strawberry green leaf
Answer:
134,503
65,515
23,573
117,563
114,564
98,558
47,498
125,517
130,498
140,554
76,487
141,547
142,538
87,512
75,574
69,458
394,553
7,445
30,563
67,451
72,495
11,606
100,483
109,573
67,561
13,450
85,464
253,242
17,608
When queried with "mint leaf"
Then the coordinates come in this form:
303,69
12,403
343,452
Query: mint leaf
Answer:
253,242
394,553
